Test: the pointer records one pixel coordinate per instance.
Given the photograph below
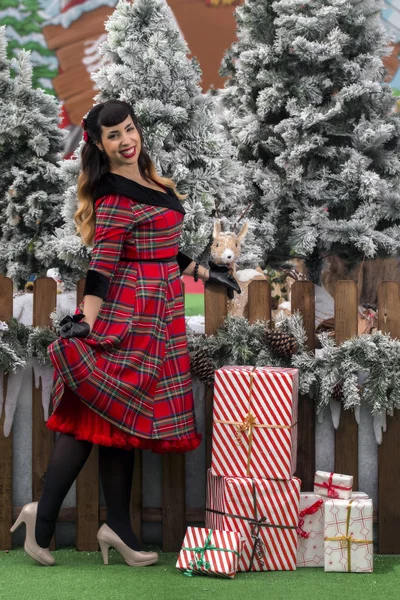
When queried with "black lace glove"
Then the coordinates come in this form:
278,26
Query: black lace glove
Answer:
71,327
220,274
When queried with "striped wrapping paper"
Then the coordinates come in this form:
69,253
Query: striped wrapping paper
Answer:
265,513
255,422
348,541
210,552
310,547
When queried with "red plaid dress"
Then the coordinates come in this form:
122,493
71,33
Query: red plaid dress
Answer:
128,383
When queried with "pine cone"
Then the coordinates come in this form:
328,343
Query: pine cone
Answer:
281,343
327,326
337,392
202,366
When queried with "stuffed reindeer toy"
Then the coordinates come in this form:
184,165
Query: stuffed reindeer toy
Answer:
225,251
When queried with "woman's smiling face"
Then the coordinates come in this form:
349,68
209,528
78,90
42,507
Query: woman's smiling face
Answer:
121,143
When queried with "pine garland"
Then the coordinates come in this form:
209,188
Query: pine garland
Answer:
9,360
19,342
39,340
16,336
367,367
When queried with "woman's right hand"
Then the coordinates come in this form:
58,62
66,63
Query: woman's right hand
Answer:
220,275
74,327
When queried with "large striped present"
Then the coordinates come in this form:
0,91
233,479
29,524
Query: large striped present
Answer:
210,552
265,512
310,532
348,542
255,422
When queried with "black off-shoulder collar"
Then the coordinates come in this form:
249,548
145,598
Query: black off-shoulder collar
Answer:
111,184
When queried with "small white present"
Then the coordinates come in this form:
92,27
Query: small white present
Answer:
333,485
310,532
348,541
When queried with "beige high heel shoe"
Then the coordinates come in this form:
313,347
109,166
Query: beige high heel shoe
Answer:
106,538
28,516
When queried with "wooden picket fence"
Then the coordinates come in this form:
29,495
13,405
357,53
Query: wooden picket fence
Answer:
173,514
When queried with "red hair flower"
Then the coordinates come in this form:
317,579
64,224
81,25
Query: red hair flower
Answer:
85,133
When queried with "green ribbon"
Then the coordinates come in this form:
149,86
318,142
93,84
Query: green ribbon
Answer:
199,561
255,525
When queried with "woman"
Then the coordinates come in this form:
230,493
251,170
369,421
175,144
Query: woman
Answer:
122,376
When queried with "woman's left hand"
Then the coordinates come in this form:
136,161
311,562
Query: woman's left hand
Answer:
74,327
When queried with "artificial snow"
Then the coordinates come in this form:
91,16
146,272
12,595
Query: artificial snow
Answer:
14,384
23,305
324,305
379,425
196,324
45,374
335,407
246,275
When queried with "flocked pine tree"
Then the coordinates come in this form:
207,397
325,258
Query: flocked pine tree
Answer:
145,62
30,184
6,84
313,122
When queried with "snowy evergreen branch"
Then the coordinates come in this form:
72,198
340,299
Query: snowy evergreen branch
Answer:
17,337
19,342
39,340
366,366
9,359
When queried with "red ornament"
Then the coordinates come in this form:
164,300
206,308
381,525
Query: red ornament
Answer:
86,136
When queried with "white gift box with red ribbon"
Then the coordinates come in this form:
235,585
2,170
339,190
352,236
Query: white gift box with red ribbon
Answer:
255,422
310,532
333,485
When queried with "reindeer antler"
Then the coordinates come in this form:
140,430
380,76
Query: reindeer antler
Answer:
244,213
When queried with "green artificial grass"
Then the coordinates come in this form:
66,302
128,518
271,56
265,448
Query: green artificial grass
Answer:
82,576
194,305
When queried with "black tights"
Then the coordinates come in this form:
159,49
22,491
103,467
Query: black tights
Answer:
116,470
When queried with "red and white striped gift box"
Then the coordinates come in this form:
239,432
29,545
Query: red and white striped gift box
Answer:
210,552
255,422
265,512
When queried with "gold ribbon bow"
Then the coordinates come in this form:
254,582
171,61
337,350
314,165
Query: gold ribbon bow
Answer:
348,538
249,423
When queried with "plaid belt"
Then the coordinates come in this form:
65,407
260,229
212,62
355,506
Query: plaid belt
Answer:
165,259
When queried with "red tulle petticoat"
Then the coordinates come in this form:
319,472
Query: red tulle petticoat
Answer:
75,418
